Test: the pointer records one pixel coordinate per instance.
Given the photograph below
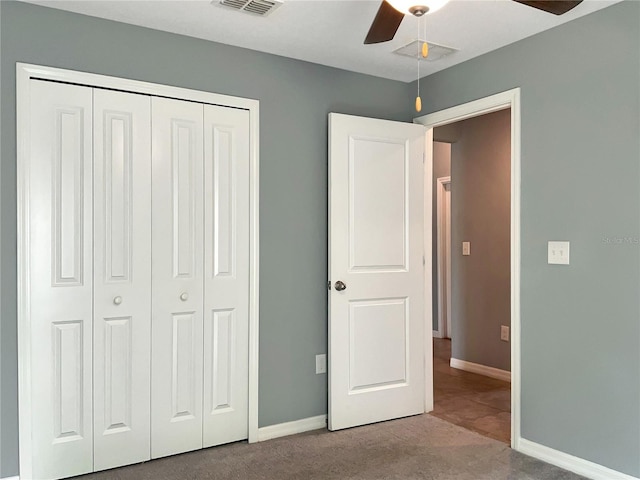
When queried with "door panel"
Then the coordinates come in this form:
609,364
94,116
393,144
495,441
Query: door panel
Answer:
377,200
184,382
118,378
67,381
122,288
221,355
226,304
374,327
376,324
59,199
177,278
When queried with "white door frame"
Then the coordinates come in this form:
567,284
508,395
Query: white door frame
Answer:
501,101
440,192
26,72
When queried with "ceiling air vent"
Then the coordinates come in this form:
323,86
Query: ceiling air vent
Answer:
414,49
256,7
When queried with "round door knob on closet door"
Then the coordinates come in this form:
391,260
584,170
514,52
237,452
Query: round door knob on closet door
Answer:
184,296
340,286
117,300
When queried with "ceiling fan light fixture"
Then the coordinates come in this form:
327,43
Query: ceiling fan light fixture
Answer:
417,7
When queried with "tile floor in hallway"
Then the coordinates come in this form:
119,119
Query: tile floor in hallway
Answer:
475,402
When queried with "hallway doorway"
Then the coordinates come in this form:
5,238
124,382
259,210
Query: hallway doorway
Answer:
472,387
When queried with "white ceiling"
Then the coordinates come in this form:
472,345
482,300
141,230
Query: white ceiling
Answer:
331,32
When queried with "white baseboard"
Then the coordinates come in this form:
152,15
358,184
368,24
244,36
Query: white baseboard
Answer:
291,428
481,369
437,334
569,462
10,478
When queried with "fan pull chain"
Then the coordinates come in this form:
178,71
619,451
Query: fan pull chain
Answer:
418,99
424,52
425,45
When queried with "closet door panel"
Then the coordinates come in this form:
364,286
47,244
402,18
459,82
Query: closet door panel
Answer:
122,285
177,251
226,320
58,199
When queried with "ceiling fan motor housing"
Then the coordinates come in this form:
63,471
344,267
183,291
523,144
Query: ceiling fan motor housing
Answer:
419,10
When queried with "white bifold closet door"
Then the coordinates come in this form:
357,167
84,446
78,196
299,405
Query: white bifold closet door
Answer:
200,276
226,260
58,199
122,278
135,282
177,251
90,291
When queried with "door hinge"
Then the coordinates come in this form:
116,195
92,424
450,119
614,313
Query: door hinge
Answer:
424,261
329,285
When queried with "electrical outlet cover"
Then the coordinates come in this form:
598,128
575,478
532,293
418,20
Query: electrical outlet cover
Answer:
321,364
504,333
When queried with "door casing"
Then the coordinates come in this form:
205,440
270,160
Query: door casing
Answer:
24,74
500,101
444,254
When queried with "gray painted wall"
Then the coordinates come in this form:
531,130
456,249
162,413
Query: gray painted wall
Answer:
480,214
580,182
295,98
441,168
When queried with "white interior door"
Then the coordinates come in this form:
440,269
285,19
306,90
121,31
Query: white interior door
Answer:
59,246
226,254
177,276
376,322
122,278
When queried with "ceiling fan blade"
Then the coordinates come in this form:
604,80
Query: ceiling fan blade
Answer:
385,25
557,7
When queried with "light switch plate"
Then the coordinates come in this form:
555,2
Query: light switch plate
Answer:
321,363
466,248
558,253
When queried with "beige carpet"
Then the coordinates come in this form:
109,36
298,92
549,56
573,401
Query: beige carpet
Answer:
421,447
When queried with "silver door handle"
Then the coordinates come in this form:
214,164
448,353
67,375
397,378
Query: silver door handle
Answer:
117,300
184,296
340,286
